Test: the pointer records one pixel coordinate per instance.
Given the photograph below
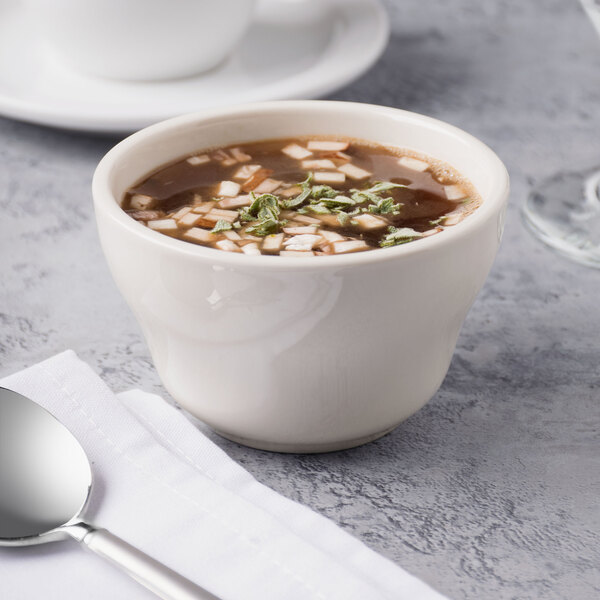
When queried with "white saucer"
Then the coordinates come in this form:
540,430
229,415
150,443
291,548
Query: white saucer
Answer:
285,55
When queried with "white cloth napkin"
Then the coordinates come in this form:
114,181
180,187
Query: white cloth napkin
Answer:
165,488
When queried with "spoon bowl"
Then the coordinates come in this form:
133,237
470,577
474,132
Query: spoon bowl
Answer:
45,476
45,484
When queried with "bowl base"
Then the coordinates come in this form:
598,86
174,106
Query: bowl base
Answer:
311,448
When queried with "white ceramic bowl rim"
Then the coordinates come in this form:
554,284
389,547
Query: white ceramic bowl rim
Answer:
105,200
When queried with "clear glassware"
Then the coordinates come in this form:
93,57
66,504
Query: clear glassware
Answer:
564,211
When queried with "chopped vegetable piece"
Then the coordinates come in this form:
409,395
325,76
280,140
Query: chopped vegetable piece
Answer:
224,158
349,246
199,159
329,177
296,151
354,172
367,221
331,236
323,163
289,192
229,188
190,219
145,215
236,202
240,155
273,243
221,226
454,192
452,220
163,225
256,179
216,215
307,220
232,235
199,235
327,145
251,248
141,202
181,212
226,214
399,236
299,230
304,241
343,156
267,186
330,220
289,223
204,207
413,164
228,246
246,171
431,232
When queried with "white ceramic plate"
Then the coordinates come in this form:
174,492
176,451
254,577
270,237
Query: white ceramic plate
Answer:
294,49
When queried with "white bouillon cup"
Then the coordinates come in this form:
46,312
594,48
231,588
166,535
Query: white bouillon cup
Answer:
302,354
140,39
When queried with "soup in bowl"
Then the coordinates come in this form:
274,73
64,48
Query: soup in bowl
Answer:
302,197
320,309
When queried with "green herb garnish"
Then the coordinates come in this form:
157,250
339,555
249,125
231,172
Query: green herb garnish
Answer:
263,206
303,195
343,218
395,237
221,226
323,199
378,205
266,227
323,191
318,209
384,186
265,210
385,206
338,202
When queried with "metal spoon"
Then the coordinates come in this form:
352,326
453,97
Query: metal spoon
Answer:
45,483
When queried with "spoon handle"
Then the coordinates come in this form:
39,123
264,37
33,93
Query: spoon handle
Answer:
155,576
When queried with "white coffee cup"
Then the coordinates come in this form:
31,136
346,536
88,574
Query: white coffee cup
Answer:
300,354
141,39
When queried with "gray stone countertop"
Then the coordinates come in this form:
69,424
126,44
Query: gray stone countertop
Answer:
491,490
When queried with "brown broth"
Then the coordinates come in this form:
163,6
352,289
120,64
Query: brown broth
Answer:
423,202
